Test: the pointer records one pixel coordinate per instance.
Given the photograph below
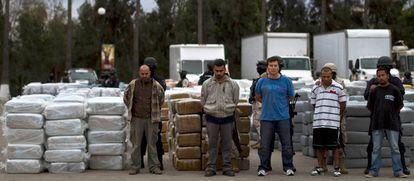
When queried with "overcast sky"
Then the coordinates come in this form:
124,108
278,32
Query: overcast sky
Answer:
147,5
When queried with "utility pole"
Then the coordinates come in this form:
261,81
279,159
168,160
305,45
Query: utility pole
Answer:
323,16
135,61
4,87
200,21
68,63
263,28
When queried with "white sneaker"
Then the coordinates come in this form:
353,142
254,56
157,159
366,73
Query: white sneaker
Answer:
290,172
262,173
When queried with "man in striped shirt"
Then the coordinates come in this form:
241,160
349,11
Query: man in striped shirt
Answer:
329,101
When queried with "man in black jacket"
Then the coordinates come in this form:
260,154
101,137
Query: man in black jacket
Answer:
152,63
207,74
385,62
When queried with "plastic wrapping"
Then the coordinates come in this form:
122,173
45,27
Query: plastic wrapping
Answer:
65,127
24,121
106,149
24,151
25,106
66,142
106,123
24,166
95,92
111,92
25,136
32,88
44,97
106,136
50,88
67,167
69,98
106,106
65,155
64,111
106,162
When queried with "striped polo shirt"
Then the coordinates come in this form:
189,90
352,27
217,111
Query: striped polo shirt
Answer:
326,102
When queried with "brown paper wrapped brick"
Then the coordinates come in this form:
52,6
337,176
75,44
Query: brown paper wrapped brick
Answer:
164,112
165,147
204,146
244,138
164,138
188,106
188,123
179,96
188,164
245,109
190,139
243,125
164,127
245,151
188,152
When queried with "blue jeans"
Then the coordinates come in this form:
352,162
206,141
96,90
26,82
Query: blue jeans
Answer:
377,138
267,130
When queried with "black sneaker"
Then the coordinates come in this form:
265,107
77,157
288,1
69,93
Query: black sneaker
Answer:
229,173
210,173
406,171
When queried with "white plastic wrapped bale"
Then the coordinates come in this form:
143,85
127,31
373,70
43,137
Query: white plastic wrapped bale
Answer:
65,155
95,92
106,162
66,167
106,106
66,142
24,121
302,106
69,98
67,127
25,106
106,123
24,151
111,92
25,136
357,124
408,129
64,111
24,166
32,88
406,115
45,97
357,109
106,137
106,149
50,88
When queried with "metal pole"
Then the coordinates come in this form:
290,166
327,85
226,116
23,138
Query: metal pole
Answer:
68,63
135,61
200,21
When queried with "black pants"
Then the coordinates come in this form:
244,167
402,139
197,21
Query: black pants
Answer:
160,148
401,147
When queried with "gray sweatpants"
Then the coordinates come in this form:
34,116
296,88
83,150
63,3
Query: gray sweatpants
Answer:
215,132
139,126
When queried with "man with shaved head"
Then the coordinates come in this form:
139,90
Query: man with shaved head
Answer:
144,97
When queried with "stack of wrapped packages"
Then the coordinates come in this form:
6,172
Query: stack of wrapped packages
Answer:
164,120
65,127
186,154
107,133
24,133
244,110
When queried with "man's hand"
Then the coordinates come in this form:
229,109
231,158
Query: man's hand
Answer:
318,82
372,87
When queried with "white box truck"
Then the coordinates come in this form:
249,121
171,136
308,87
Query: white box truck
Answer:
353,48
292,47
193,58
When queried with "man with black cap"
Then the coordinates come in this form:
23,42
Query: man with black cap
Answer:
207,74
386,63
152,64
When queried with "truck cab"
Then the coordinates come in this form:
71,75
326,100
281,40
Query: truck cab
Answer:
366,67
297,67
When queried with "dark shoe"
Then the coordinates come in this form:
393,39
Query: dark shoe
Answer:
366,171
229,173
156,171
209,173
133,171
142,164
406,171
